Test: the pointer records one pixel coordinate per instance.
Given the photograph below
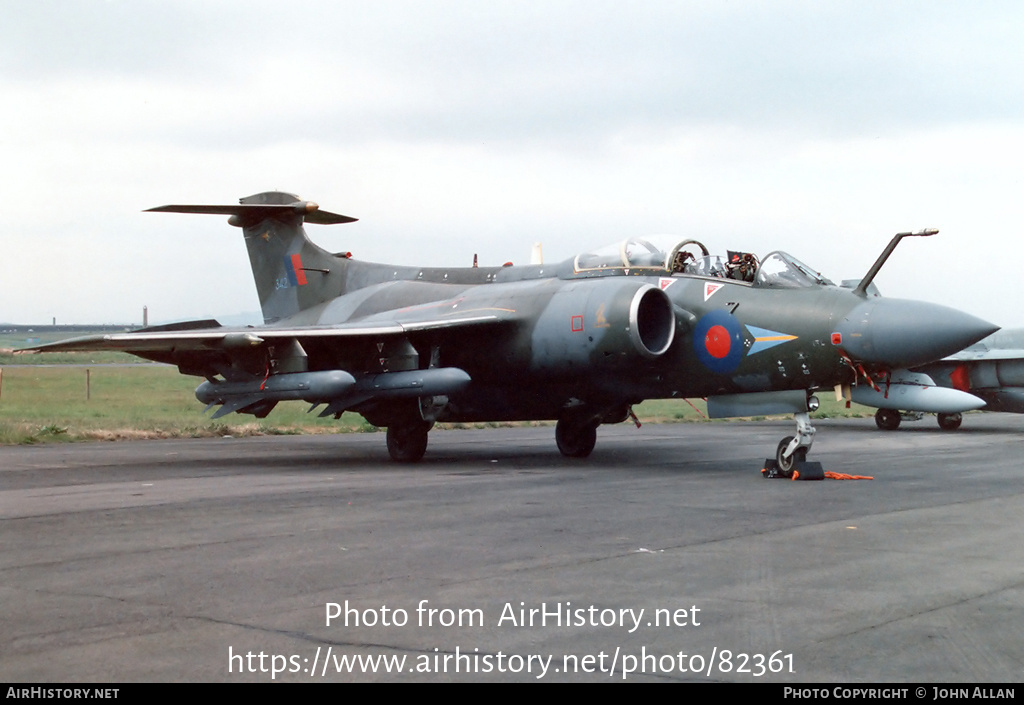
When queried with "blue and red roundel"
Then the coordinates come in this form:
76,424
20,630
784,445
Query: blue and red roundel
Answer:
718,342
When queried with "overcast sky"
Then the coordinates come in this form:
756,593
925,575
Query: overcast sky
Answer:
451,128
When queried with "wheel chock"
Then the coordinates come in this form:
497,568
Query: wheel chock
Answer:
802,470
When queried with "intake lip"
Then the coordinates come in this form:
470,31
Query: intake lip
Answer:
652,321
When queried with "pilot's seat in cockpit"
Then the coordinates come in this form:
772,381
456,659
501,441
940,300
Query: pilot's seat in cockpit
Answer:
681,261
742,266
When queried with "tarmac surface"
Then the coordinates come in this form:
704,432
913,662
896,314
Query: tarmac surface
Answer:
495,559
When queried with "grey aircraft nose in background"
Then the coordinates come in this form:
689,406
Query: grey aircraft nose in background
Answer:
988,375
579,342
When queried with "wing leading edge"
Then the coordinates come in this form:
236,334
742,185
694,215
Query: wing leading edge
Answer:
346,365
204,337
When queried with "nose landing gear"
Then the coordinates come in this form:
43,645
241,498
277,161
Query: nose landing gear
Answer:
791,454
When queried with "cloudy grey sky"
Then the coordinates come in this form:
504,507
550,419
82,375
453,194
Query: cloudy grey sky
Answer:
452,127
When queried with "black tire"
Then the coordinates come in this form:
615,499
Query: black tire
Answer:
888,419
407,442
574,440
950,422
785,465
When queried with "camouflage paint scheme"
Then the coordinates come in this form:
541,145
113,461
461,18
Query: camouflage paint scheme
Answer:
578,342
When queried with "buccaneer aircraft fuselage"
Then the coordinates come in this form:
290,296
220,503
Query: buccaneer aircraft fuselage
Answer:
579,342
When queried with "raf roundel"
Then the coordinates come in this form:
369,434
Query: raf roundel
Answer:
718,342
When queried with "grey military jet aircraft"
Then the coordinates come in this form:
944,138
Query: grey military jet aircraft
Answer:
988,375
578,342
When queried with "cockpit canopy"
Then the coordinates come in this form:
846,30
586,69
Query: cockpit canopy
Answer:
783,271
667,256
631,253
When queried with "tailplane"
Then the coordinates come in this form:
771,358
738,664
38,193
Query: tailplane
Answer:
291,272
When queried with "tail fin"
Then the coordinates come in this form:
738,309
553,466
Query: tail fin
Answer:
291,272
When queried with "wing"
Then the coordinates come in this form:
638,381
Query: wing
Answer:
210,335
346,366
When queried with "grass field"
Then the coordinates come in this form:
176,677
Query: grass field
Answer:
50,404
146,401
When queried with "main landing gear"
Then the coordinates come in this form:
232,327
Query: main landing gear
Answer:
576,438
889,419
409,421
407,441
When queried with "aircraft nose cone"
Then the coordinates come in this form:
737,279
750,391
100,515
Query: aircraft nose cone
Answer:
902,333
